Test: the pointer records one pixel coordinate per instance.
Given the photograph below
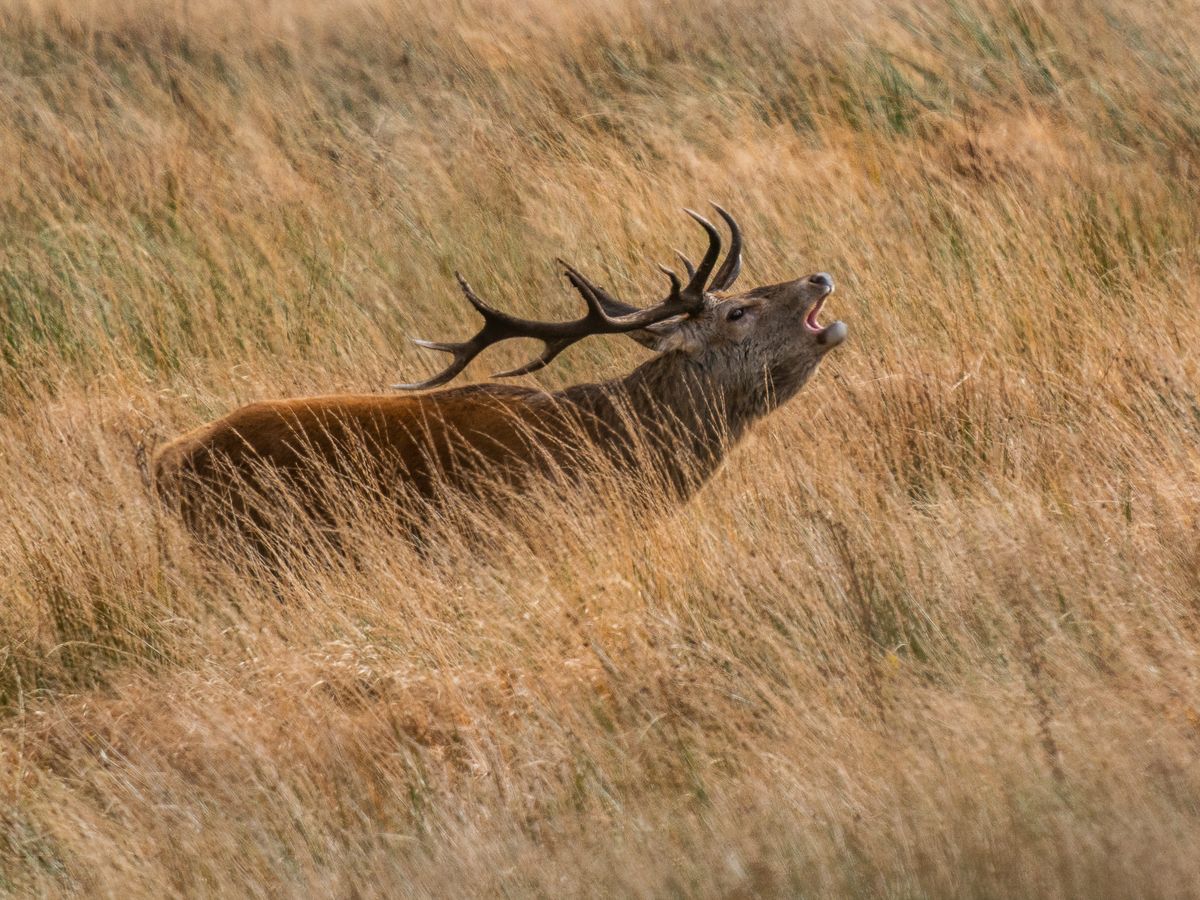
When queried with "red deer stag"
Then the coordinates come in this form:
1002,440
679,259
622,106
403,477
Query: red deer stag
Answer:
722,362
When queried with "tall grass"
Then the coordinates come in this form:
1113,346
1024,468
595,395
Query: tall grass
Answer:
932,631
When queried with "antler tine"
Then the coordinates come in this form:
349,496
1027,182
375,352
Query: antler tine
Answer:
695,286
600,303
676,284
589,290
484,309
463,354
732,266
496,327
687,264
553,348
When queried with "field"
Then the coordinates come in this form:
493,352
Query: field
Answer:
933,631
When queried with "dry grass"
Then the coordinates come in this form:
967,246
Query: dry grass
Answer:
934,629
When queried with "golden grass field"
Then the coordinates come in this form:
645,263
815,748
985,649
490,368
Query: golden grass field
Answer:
933,631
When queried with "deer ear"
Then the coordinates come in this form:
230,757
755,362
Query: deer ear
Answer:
654,337
672,336
664,336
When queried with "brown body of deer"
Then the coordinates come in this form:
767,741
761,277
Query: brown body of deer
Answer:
722,363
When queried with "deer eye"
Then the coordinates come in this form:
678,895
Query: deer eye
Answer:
735,314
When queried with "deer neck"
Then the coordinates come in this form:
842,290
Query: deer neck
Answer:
703,398
687,413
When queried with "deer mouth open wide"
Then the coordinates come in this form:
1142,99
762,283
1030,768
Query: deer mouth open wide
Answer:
829,335
824,283
810,319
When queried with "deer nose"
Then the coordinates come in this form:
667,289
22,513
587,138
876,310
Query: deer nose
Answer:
821,279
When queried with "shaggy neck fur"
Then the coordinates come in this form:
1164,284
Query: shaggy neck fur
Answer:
678,412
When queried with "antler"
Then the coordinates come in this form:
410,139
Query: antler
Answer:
732,267
722,281
605,314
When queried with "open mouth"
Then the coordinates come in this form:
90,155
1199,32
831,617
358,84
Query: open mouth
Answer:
811,322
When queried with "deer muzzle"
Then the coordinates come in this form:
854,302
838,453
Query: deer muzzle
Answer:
832,335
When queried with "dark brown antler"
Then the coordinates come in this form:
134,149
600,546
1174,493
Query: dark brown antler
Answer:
605,315
732,267
722,281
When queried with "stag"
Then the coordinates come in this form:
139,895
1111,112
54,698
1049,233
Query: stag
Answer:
722,361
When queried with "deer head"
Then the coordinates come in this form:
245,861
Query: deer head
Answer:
767,341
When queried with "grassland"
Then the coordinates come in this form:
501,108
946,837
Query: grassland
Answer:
933,631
